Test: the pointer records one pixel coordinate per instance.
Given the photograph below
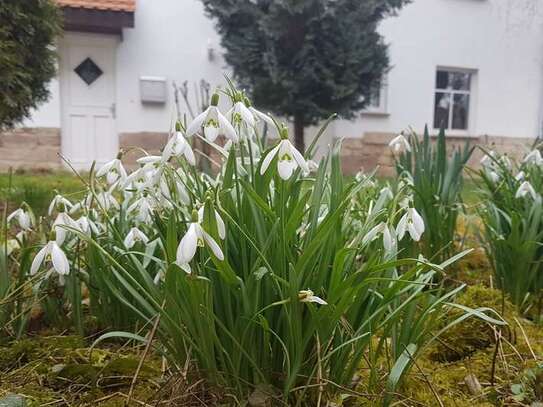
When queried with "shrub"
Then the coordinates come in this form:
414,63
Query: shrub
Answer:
27,57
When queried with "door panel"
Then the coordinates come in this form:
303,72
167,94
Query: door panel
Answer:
87,81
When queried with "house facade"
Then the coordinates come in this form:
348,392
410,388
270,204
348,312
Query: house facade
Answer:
475,66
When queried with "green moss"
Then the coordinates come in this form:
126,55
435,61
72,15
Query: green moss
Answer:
463,339
45,369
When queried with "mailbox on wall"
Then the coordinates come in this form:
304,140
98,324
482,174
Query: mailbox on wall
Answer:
153,89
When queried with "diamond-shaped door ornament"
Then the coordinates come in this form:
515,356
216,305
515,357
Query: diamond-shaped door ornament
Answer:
88,71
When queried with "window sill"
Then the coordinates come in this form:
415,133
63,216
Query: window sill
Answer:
455,133
375,113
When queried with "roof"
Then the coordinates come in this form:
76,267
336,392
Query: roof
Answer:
109,5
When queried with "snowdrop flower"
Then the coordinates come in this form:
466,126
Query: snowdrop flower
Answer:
196,237
399,143
526,189
488,159
138,180
312,166
308,296
24,218
493,175
142,208
220,223
135,235
177,145
533,157
62,221
57,201
51,252
520,176
288,158
113,170
106,201
239,113
213,122
389,240
410,222
86,226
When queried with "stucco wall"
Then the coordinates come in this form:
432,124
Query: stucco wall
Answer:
30,148
501,39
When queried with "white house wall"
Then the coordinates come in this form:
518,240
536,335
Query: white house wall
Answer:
501,40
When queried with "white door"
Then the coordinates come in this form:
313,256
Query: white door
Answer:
87,82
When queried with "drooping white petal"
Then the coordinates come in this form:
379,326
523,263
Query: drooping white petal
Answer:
38,260
417,220
268,159
214,247
246,114
389,240
195,126
220,226
227,128
105,168
187,247
372,234
298,157
401,227
60,262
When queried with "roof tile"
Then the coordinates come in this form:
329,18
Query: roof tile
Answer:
111,5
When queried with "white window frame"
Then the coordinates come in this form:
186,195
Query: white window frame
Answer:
382,108
472,98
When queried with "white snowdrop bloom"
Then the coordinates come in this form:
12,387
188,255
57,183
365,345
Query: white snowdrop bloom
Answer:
58,200
386,194
213,122
312,167
493,175
399,143
288,159
106,201
389,240
488,160
506,162
526,189
12,245
220,223
195,237
113,171
138,180
239,114
176,146
62,221
534,157
135,235
520,176
51,252
142,209
86,226
410,222
309,296
24,218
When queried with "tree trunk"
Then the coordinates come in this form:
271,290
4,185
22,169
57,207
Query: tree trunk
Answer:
299,142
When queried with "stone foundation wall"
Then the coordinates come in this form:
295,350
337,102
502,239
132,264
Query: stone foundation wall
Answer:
39,148
372,151
30,148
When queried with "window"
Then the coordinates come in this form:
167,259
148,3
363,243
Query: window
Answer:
452,99
377,103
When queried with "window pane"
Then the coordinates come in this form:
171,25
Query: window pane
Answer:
442,80
442,107
453,80
460,112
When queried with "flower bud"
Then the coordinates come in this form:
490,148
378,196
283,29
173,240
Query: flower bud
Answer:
215,99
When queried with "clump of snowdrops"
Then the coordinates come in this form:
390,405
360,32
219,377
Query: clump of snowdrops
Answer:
436,178
512,213
273,274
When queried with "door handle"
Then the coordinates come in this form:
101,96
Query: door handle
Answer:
113,109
